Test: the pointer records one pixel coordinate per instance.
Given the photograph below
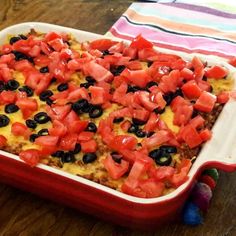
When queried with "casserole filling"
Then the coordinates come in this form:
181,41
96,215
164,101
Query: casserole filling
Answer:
125,116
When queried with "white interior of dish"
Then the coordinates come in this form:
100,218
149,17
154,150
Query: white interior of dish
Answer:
221,148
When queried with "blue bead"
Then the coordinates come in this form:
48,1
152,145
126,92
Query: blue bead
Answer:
191,214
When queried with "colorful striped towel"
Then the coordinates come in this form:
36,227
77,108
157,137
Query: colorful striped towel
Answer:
204,28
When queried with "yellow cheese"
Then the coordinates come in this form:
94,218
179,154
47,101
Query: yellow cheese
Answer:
220,85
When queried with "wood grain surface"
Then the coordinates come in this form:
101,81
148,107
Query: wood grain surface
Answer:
22,213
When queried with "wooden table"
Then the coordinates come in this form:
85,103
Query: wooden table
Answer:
22,213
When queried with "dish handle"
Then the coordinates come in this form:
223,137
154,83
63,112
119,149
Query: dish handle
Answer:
220,151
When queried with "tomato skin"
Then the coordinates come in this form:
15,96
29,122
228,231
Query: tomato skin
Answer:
27,106
98,95
205,102
30,156
191,90
140,43
187,74
197,122
170,82
7,97
144,99
152,122
58,129
232,61
141,114
19,129
198,68
123,142
3,141
58,112
223,97
114,169
216,72
89,146
152,188
77,126
85,136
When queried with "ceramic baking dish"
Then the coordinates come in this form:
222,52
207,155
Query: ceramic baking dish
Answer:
106,203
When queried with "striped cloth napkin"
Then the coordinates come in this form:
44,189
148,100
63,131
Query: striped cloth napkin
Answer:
206,28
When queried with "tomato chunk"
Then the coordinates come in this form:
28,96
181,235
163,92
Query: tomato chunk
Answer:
205,102
216,72
30,156
140,43
191,90
3,141
19,129
89,146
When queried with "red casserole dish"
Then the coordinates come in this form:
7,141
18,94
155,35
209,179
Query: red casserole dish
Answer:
99,200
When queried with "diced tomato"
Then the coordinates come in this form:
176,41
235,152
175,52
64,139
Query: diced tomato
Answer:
205,135
58,112
98,95
98,72
178,64
137,77
35,51
232,61
21,46
120,92
124,142
130,52
182,115
125,125
191,136
78,126
102,44
204,85
182,175
3,141
30,156
151,187
223,97
7,97
32,79
187,74
191,90
216,72
163,173
27,106
78,93
178,102
198,68
6,48
205,102
114,169
58,129
141,114
6,74
8,58
140,43
170,82
47,140
19,129
197,122
45,48
51,36
68,142
118,47
85,136
145,100
89,146
156,139
134,65
152,122
57,44
43,83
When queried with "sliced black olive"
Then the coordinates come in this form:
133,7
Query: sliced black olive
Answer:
11,108
149,63
150,84
91,127
21,56
89,157
133,128
77,148
23,37
156,153
14,40
106,52
178,92
4,120
45,94
44,70
42,118
159,111
164,160
90,79
168,149
117,70
2,86
58,153
140,133
33,137
62,87
168,97
116,157
138,122
31,123
12,85
133,89
149,134
28,90
68,157
49,101
86,85
195,113
95,111
118,119
43,132
80,105
53,80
